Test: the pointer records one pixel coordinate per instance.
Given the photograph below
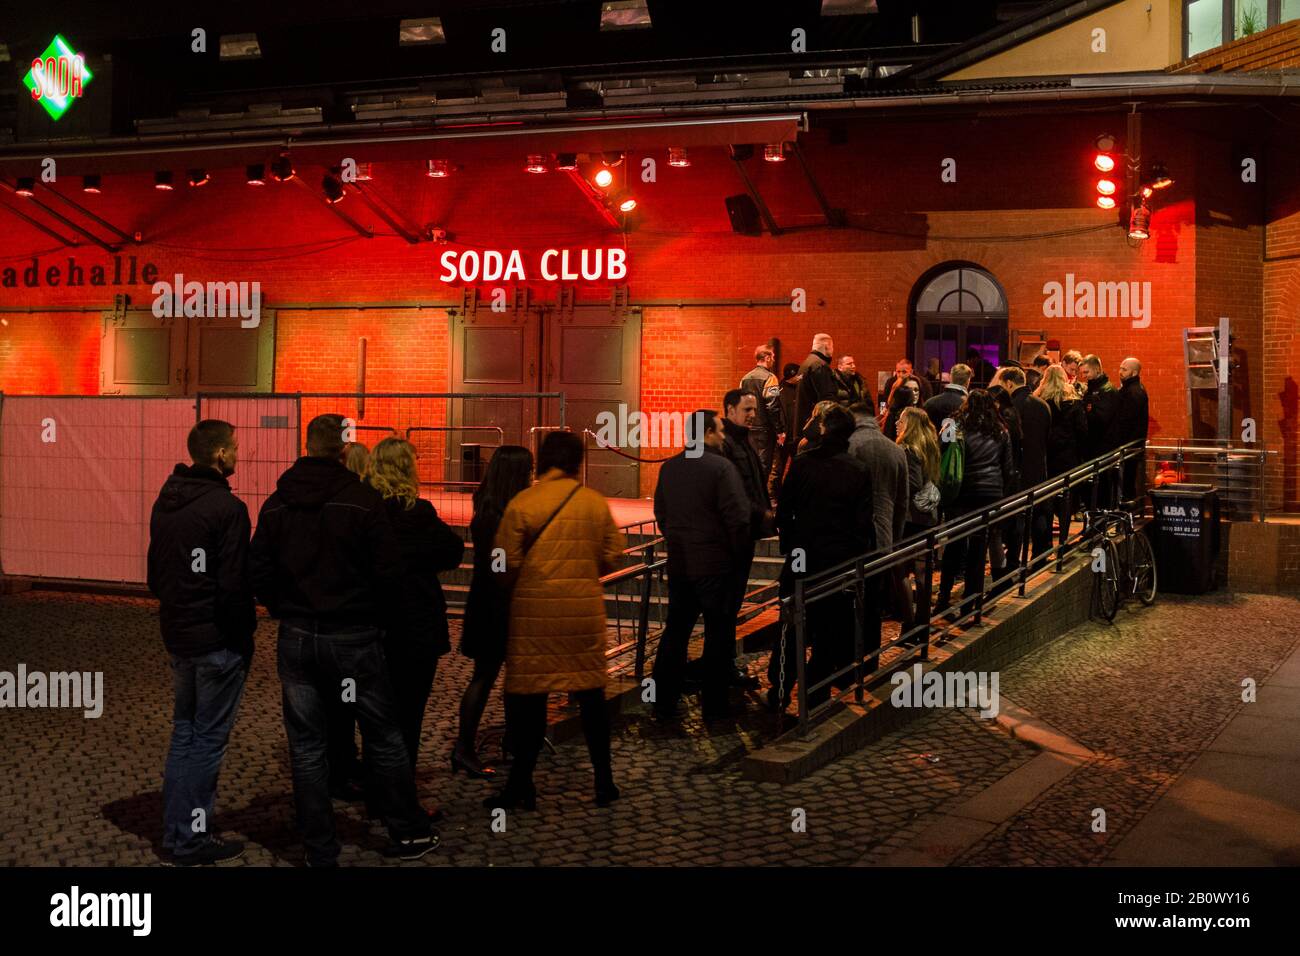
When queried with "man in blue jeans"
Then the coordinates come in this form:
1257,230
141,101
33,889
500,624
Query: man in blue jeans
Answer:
198,570
324,562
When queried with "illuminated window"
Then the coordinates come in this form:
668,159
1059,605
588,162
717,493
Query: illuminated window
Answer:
1204,19
425,30
624,15
1248,16
1211,23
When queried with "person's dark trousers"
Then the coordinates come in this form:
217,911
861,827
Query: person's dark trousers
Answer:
898,597
830,630
1065,502
412,665
526,725
1131,469
1040,532
1013,537
313,667
967,554
784,453
764,442
207,690
341,746
688,598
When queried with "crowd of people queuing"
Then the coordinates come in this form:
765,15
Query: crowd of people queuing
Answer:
346,555
814,460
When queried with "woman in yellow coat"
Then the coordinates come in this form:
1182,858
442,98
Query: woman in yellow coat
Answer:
559,539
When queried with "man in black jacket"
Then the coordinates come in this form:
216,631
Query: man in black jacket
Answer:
326,563
818,382
198,570
1035,424
825,517
738,409
704,516
789,438
1006,540
1132,420
1100,401
946,404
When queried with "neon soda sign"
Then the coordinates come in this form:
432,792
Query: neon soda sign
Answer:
555,265
57,77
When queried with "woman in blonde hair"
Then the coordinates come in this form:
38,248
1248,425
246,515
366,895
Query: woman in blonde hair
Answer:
1067,435
917,437
417,628
356,458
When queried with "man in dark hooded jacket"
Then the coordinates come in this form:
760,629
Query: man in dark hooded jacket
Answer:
198,570
326,562
825,517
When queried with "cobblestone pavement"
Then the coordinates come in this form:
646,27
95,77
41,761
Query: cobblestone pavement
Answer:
1146,694
78,791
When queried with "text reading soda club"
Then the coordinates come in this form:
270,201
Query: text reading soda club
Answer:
553,265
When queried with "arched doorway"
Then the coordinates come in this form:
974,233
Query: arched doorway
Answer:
959,314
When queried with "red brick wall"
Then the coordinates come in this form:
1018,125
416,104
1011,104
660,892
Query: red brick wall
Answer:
1277,48
1015,176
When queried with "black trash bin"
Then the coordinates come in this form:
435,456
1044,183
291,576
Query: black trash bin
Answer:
1185,537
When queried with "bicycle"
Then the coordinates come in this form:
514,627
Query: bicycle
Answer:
1128,562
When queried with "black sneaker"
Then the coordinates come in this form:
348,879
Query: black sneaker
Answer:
414,848
211,853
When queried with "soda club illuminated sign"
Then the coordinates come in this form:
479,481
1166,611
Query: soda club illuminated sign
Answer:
554,265
57,77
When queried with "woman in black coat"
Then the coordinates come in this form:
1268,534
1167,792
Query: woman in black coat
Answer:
487,609
417,628
1067,437
987,474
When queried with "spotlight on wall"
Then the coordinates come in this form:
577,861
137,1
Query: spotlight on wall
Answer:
1147,192
256,174
603,178
1104,162
26,186
163,180
1160,176
199,177
90,183
677,157
624,201
333,188
282,169
774,153
537,163
566,160
437,169
1139,223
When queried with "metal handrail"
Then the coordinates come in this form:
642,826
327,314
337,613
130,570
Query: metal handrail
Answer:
853,575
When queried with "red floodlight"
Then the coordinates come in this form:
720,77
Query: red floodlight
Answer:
603,178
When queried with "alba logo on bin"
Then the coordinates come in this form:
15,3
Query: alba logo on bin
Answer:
554,265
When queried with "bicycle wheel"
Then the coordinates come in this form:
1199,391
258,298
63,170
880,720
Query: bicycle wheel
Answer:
1105,582
1143,569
